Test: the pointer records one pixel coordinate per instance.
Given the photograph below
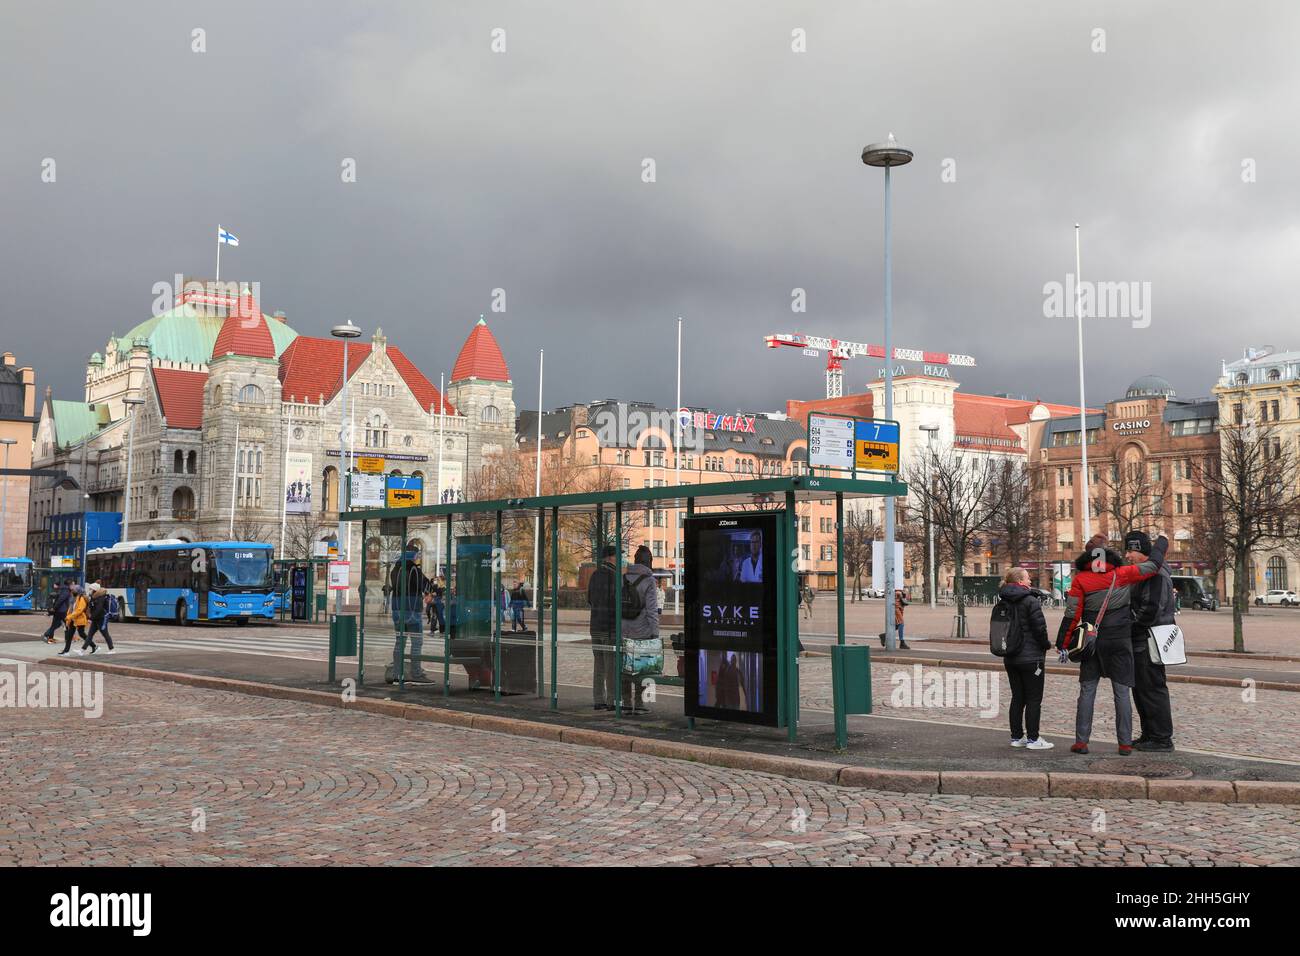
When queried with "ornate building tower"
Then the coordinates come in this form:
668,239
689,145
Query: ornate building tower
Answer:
482,391
242,441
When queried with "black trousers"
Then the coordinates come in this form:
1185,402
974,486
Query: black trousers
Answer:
1151,696
100,626
1026,697
70,631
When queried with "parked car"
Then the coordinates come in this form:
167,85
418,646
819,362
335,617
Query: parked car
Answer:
1285,598
871,593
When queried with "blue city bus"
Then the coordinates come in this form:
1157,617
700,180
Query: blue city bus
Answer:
15,584
182,581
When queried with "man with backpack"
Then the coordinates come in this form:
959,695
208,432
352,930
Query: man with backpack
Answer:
640,622
103,607
1018,634
1153,606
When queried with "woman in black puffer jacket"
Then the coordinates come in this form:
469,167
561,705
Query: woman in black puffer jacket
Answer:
1025,669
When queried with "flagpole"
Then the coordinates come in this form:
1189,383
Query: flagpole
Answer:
1083,407
284,481
218,252
537,483
677,455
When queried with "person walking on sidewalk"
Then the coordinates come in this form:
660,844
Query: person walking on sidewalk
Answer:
1153,605
74,623
518,601
59,603
100,613
1026,671
900,602
1099,596
809,595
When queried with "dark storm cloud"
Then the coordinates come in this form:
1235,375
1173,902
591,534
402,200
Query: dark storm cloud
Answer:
522,171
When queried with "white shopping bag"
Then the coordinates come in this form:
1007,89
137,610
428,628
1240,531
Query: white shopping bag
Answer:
1166,644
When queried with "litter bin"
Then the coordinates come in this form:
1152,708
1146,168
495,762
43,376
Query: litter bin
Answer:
321,606
343,635
851,686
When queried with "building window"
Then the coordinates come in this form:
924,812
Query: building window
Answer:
178,462
1275,574
491,415
252,394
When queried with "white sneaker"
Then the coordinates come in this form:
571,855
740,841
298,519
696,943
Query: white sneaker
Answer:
110,651
79,652
1021,742
1039,744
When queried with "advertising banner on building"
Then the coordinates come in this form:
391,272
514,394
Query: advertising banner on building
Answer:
297,482
453,482
731,617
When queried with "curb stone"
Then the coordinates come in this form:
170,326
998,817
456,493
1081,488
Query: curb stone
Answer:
969,782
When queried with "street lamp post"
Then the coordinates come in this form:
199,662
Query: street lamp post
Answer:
345,332
130,450
932,434
888,155
4,496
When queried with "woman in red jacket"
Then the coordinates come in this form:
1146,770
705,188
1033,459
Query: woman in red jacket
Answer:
1101,581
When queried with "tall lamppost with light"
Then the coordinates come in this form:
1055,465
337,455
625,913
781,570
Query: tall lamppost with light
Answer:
932,435
130,452
4,496
888,155
346,332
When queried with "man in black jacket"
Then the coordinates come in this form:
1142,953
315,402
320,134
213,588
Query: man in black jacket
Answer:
1153,605
59,604
600,597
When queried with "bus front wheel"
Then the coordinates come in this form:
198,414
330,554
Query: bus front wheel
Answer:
182,614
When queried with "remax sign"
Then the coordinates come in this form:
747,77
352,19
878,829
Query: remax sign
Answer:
716,423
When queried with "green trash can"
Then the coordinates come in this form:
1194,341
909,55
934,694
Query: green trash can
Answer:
343,635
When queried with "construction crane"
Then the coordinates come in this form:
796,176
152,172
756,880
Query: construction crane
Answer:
837,350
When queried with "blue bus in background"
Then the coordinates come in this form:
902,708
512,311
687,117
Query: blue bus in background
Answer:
184,581
15,584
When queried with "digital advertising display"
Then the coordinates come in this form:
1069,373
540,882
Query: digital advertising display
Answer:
731,617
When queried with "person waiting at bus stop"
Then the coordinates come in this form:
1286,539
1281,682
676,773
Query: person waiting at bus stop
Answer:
600,597
406,585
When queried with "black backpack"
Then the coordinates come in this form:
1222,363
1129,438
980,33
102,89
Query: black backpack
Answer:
1004,631
633,605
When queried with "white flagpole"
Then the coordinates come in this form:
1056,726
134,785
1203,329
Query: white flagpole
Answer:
352,451
1083,405
442,418
234,483
537,483
677,454
218,252
284,481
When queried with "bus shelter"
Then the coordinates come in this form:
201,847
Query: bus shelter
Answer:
518,618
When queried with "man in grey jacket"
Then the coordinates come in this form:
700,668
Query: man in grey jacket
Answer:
645,625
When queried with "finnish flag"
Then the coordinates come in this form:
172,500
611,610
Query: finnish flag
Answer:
229,238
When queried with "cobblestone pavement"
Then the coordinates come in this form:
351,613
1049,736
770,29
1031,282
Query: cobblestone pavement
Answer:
276,782
1222,720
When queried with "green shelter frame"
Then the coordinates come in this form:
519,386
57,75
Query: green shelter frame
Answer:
780,494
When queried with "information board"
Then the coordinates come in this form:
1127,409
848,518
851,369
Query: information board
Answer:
830,442
405,491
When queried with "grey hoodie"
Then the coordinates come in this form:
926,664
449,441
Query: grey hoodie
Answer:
646,624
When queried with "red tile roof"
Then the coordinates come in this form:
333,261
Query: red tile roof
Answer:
180,393
311,367
245,332
481,357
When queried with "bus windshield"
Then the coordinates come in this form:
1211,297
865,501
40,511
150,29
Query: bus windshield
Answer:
15,576
242,569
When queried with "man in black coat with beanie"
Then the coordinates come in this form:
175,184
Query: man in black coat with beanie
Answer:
1153,604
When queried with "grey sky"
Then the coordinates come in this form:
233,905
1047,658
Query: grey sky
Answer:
522,171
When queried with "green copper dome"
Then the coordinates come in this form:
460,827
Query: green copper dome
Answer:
183,335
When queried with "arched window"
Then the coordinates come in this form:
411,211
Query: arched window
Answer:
251,394
216,395
153,501
183,503
1274,374
191,463
1275,574
491,415
377,430
329,500
178,462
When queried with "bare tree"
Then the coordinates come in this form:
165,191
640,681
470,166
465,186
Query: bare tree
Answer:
860,529
1128,496
1015,521
1253,497
246,527
301,532
963,499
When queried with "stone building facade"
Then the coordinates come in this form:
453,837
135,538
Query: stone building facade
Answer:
232,398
